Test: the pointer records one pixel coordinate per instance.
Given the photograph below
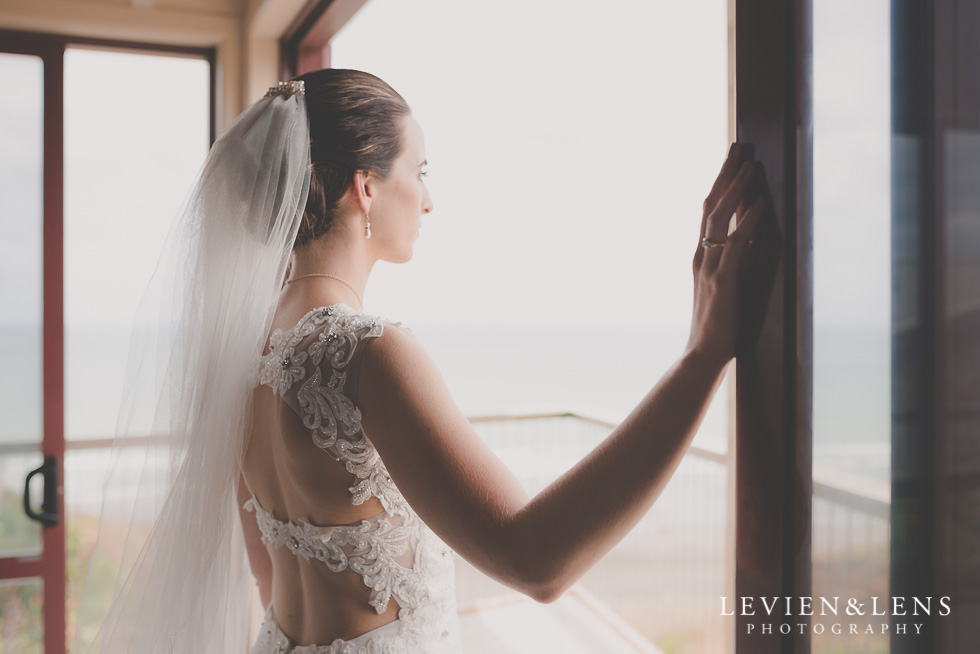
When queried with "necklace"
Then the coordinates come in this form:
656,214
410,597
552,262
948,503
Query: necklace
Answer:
342,281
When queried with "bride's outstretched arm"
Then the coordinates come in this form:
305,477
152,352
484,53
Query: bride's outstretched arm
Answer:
538,545
541,545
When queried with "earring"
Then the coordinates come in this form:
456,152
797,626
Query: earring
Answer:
367,226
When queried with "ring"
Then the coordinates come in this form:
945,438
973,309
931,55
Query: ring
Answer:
707,243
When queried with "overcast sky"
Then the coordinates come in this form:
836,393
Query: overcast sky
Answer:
569,150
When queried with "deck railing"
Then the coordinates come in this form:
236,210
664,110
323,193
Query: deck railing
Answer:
665,578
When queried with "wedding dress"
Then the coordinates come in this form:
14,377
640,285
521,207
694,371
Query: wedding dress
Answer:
313,366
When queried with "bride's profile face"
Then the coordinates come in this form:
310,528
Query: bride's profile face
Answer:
401,199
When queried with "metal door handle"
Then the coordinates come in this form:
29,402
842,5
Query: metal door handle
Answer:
49,508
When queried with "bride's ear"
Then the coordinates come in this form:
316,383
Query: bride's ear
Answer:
362,190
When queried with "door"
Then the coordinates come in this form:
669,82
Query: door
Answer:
32,533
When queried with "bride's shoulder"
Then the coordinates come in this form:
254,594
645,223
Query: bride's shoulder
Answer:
335,324
398,352
329,335
369,324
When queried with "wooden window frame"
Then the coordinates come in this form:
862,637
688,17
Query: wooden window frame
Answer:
50,566
305,46
774,360
935,517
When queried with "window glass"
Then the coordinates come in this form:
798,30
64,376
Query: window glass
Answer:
21,256
852,308
21,361
570,148
136,133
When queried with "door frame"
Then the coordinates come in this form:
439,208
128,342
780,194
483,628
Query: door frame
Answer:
51,565
774,358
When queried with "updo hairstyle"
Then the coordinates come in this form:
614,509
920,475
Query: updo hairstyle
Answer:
354,125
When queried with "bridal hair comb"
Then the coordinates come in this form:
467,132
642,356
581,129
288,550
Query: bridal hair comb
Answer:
292,87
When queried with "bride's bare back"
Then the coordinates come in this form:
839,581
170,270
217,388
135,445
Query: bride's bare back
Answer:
297,481
347,552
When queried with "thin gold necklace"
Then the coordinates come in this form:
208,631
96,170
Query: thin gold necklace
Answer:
342,281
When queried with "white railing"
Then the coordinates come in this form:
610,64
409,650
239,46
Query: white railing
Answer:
665,578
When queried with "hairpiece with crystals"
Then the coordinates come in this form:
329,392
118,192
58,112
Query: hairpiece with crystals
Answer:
292,87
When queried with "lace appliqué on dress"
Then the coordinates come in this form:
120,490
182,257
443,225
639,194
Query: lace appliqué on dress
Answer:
406,561
394,552
371,548
333,420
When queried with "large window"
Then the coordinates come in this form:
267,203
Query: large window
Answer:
570,149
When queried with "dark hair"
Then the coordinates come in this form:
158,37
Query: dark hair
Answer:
354,126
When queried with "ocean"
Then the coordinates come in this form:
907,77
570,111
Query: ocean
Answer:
500,369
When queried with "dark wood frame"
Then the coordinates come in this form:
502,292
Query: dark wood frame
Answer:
50,565
774,363
305,46
914,412
935,517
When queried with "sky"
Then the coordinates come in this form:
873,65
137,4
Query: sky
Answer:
569,152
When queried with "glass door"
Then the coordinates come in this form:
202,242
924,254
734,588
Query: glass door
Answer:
72,167
32,537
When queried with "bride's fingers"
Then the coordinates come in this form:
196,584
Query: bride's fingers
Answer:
744,204
728,171
738,240
725,176
717,225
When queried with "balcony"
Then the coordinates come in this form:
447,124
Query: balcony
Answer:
657,590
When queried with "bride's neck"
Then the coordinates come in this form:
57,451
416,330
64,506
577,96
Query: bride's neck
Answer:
337,253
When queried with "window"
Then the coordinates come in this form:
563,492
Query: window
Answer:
569,155
21,395
851,308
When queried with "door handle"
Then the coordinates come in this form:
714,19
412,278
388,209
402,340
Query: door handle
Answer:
49,507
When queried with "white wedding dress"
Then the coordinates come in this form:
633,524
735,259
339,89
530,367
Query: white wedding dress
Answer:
310,367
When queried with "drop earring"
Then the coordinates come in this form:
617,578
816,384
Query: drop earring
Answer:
367,226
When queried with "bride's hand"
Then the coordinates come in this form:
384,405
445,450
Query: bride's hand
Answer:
718,270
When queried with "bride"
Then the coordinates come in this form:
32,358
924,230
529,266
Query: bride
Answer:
357,477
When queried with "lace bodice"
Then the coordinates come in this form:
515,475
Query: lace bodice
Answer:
397,555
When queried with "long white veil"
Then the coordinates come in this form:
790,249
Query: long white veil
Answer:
181,582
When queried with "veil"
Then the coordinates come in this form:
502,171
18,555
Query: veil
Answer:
169,572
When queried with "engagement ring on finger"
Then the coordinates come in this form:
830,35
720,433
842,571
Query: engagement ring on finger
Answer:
707,243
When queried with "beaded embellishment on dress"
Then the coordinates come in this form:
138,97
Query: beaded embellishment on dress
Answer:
380,549
394,552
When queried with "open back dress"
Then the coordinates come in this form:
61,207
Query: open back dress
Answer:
312,367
